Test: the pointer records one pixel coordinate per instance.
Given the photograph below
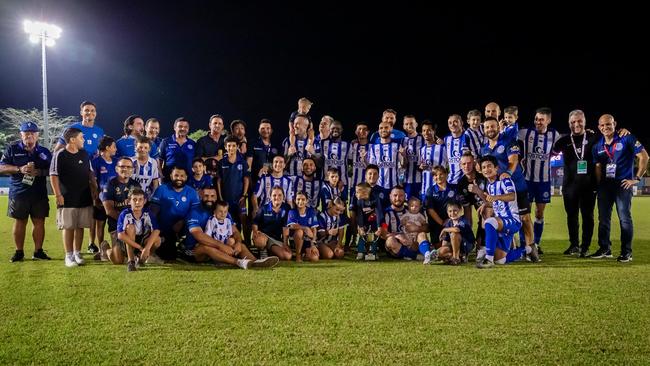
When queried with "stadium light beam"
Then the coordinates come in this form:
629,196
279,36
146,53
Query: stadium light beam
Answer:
47,34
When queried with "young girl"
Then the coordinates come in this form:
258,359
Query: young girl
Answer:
270,231
302,223
332,188
331,230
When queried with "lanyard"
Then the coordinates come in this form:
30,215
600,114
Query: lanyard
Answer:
610,154
582,150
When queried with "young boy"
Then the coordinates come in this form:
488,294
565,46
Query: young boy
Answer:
104,169
145,168
457,236
137,232
332,188
369,213
475,132
436,200
331,230
222,229
199,180
508,125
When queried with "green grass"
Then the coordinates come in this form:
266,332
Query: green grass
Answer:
561,311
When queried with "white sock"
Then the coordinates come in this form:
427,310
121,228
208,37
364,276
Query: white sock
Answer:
481,253
69,255
76,253
490,258
528,249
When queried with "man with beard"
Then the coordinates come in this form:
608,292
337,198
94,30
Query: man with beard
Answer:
507,156
335,152
299,145
411,145
178,149
133,128
388,116
200,244
431,154
397,245
171,203
386,156
308,182
238,130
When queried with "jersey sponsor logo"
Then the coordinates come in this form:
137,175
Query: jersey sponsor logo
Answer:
538,156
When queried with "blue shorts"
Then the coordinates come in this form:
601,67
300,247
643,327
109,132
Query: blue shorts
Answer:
466,246
539,192
413,189
404,252
510,227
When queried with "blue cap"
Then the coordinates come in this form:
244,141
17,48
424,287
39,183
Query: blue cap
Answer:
28,127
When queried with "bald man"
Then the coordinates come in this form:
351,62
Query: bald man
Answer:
492,109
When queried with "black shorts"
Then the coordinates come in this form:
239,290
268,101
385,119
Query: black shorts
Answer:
523,203
21,208
99,214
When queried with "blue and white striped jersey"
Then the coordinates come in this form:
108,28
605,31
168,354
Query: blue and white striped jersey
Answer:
430,156
504,210
412,147
145,174
475,139
267,182
393,218
385,156
144,226
454,148
219,230
294,164
537,153
359,155
335,155
329,193
311,188
328,222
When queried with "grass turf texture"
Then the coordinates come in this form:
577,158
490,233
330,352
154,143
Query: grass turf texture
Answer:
561,311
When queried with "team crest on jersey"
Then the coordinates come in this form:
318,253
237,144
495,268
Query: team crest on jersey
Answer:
94,135
619,147
501,149
190,147
239,167
183,198
274,151
44,157
450,194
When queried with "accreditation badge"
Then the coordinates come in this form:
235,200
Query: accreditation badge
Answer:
610,170
582,166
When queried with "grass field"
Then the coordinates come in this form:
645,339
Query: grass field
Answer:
561,311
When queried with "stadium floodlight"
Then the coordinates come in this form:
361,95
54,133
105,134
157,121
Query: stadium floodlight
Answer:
47,34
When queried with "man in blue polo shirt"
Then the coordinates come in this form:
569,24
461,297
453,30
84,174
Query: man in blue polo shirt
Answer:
614,159
177,150
92,133
133,128
28,164
171,203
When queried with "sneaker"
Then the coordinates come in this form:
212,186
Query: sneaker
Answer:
371,257
70,262
154,259
77,258
40,254
600,253
539,250
533,256
268,262
427,257
92,248
244,263
624,258
131,267
480,255
18,256
571,250
485,264
264,254
455,261
360,256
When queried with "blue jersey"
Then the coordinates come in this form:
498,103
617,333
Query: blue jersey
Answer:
385,156
501,151
262,155
266,184
502,209
359,156
103,170
126,146
475,140
231,177
16,155
537,149
509,134
294,164
454,148
623,150
270,222
92,135
329,193
437,198
174,206
308,219
146,174
175,155
430,156
220,230
335,155
369,213
395,135
412,146
144,225
197,217
204,182
393,218
312,189
465,228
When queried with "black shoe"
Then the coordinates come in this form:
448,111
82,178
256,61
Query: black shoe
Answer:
40,254
130,266
624,258
572,250
92,248
18,256
539,250
600,253
533,256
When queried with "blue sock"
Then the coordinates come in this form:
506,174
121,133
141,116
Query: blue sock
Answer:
424,247
515,254
373,247
538,228
491,237
361,245
522,237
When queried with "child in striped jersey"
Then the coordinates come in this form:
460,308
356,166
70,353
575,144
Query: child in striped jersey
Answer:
145,168
333,188
331,229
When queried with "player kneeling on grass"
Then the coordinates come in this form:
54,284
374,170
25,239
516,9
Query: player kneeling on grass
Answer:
500,216
270,232
412,240
331,230
220,241
137,234
302,223
457,236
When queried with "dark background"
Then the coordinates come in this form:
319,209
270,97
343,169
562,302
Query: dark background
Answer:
252,61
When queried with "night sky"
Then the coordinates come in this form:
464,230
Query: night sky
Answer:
254,61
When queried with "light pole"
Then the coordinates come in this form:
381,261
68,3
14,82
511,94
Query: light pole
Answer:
47,34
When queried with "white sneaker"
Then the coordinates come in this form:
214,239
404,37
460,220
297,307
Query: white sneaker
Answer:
69,262
371,257
244,263
360,256
154,259
77,258
427,257
267,262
